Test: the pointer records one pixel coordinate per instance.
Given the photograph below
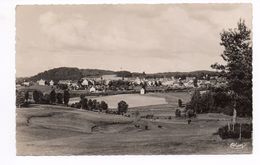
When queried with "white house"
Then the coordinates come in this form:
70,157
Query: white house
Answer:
65,82
41,82
92,89
137,80
26,83
142,91
167,83
74,85
51,83
84,82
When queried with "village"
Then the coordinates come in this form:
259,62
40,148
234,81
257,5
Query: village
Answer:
103,83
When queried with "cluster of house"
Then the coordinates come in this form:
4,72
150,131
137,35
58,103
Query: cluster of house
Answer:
99,83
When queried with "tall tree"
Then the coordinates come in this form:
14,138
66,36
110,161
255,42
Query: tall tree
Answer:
195,102
53,97
26,96
66,96
59,98
238,69
37,96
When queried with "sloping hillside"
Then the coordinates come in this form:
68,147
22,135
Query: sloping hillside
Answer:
59,130
68,73
62,73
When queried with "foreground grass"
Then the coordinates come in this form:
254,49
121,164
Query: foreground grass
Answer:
57,130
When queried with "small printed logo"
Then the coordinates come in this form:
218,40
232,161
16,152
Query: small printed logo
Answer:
237,146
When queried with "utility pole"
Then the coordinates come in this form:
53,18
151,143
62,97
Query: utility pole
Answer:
234,115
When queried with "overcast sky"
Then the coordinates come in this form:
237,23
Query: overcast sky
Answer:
150,38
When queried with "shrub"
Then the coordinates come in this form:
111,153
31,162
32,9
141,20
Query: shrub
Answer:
190,113
59,98
179,102
149,116
45,99
228,110
226,133
84,103
53,97
26,96
94,104
37,96
19,98
66,96
103,105
122,107
196,101
76,105
177,113
90,104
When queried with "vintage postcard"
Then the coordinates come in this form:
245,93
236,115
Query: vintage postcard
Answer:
134,79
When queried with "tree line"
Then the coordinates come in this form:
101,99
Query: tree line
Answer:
22,98
237,96
102,106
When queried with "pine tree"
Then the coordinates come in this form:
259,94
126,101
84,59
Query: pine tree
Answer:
238,69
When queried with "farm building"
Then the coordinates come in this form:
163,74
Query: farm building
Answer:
84,82
142,91
137,80
65,82
26,83
51,83
92,89
74,85
41,82
111,77
167,83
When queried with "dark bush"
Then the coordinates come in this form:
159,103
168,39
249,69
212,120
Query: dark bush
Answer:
66,96
190,113
84,103
76,105
177,113
45,99
26,96
228,110
90,104
95,104
226,133
179,102
103,105
25,104
53,97
19,98
122,107
37,96
59,98
149,116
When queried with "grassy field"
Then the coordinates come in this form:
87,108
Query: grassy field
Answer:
58,130
133,100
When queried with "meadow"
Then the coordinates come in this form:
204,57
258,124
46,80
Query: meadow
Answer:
60,130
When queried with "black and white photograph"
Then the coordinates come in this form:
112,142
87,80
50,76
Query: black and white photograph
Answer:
133,79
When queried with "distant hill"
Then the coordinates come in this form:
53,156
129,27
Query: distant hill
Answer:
95,72
62,73
198,74
69,73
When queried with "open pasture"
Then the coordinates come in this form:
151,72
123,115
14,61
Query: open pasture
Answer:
58,130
